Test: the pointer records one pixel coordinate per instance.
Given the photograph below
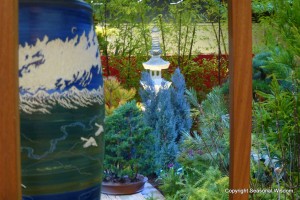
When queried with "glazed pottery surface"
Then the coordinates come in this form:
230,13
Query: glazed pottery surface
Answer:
61,101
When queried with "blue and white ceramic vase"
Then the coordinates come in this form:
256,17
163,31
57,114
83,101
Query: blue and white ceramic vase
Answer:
61,101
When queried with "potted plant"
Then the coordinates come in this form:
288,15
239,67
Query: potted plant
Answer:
128,151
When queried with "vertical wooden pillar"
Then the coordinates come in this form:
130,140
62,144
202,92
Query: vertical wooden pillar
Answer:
240,71
10,184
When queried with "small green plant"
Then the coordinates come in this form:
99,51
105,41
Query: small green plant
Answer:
194,184
210,186
127,144
115,94
170,180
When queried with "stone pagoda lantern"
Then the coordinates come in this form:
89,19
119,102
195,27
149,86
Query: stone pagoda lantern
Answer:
156,63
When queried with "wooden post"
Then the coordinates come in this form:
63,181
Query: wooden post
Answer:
240,72
10,174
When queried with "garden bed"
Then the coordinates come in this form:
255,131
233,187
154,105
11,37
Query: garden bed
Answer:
202,72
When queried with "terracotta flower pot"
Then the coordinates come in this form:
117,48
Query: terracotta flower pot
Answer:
124,188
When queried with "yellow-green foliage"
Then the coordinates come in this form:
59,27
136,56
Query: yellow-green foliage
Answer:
211,190
194,184
212,186
115,94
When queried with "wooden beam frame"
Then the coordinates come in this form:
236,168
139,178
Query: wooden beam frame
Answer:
240,73
10,172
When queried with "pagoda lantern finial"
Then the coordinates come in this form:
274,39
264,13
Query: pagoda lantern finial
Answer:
155,50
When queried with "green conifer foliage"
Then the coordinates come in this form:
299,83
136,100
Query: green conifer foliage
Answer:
128,143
